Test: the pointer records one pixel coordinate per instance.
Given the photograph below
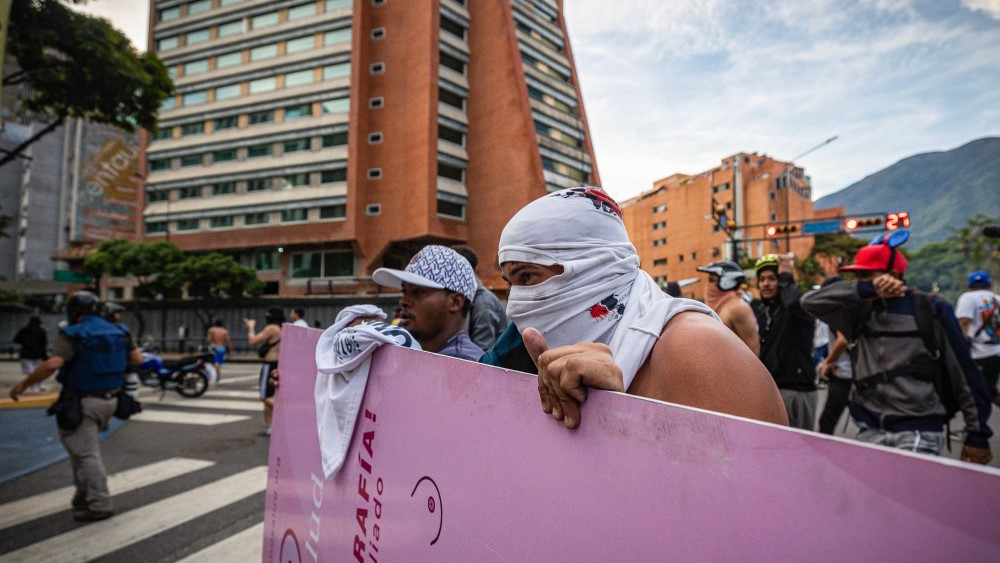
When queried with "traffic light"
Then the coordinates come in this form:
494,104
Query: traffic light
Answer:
852,223
775,230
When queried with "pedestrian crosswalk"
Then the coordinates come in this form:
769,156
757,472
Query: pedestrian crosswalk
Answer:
218,488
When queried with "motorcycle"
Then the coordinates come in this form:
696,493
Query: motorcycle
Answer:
189,376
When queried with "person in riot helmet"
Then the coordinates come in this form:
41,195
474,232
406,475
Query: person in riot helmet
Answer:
723,295
91,356
909,356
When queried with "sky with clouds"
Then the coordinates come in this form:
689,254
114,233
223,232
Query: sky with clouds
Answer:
675,85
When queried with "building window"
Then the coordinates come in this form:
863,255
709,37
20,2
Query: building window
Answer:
452,172
376,103
256,219
322,264
337,36
374,173
556,134
774,216
447,206
660,225
156,227
187,225
229,59
373,210
258,117
680,257
293,79
774,196
454,63
334,175
301,11
694,255
264,20
374,138
300,44
189,192
336,71
377,68
563,169
378,2
191,160
266,261
264,52
550,100
195,98
298,112
153,197
451,135
227,92
452,27
165,133
258,151
296,145
170,14
197,36
199,7
334,140
451,99
195,67
258,184
224,155
225,123
295,180
263,85
339,105
224,188
159,164
660,262
378,33
168,103
338,4
294,215
660,208
168,43
192,129
223,222
230,28
333,211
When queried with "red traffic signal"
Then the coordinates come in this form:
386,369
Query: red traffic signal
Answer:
852,223
771,230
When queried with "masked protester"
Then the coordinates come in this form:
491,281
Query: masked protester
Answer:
724,295
590,317
908,349
91,356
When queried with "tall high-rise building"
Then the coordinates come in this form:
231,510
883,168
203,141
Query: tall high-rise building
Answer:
674,229
319,140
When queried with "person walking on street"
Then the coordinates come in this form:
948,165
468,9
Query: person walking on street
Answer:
268,344
786,338
487,320
723,295
217,339
91,356
34,348
909,357
297,316
978,312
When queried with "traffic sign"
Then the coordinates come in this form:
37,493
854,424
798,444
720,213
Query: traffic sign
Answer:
72,277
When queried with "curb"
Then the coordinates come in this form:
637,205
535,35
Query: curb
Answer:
32,402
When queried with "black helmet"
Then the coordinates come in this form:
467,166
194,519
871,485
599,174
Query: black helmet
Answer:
729,273
110,310
82,303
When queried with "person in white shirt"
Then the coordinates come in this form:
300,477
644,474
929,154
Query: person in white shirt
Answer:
297,315
977,311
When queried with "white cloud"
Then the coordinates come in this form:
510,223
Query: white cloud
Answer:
129,16
991,7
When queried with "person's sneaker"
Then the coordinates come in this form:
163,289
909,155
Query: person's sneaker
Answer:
265,432
87,515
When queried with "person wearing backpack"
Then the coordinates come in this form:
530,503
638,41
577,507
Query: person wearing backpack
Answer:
912,368
978,311
91,356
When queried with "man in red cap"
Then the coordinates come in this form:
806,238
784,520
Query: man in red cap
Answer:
909,356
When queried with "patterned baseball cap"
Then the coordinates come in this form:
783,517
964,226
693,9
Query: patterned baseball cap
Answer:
438,267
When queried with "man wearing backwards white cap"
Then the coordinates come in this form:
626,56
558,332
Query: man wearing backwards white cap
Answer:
591,318
438,286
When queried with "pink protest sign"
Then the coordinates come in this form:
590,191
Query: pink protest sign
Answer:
454,461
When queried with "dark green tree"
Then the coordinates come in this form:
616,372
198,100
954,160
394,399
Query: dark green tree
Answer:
77,65
211,279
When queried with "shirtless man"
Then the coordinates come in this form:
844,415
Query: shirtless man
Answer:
590,317
271,336
217,338
723,296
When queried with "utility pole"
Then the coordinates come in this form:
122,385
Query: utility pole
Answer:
788,183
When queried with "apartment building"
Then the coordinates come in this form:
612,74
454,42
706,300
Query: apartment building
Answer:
319,140
674,229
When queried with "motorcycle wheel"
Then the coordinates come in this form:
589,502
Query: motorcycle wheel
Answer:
192,384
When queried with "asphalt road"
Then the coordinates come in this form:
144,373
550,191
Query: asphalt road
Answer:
190,481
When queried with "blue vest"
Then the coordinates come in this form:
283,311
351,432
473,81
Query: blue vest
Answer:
100,358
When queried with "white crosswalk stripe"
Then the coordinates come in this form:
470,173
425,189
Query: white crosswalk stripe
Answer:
201,403
27,509
239,548
101,538
186,417
232,393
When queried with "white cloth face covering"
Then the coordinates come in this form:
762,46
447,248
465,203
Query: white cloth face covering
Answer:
602,295
343,360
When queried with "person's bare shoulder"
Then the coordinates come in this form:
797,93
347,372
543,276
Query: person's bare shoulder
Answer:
699,362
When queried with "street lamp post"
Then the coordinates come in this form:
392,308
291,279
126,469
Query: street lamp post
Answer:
784,172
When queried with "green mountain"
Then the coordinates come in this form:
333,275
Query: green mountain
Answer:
940,190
